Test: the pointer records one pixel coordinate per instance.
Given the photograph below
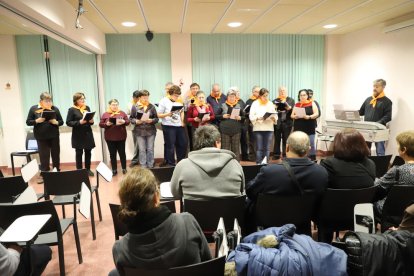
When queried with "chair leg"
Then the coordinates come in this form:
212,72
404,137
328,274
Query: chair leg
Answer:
93,222
78,247
98,203
61,258
12,163
63,211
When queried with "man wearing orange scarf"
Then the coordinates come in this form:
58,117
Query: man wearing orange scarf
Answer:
216,99
377,108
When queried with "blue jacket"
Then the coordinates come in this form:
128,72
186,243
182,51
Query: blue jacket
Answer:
295,255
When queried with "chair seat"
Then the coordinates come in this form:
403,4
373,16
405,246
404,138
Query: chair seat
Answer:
63,200
24,153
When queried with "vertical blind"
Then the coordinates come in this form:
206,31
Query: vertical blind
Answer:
245,60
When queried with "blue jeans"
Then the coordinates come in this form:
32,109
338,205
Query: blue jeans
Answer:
312,145
175,141
146,150
380,148
263,141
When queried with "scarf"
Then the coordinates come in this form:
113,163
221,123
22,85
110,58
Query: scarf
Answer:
201,108
253,97
113,113
231,104
82,108
145,221
374,99
143,106
282,99
262,102
214,97
41,108
179,100
305,103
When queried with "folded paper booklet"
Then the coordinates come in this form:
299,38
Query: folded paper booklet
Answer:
112,120
247,108
143,116
176,108
202,114
300,112
48,115
269,115
88,115
234,113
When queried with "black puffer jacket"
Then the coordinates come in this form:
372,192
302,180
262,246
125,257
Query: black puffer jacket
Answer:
391,253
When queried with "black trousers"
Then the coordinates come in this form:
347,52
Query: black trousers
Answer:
114,147
135,158
47,148
79,153
243,142
252,143
282,132
40,255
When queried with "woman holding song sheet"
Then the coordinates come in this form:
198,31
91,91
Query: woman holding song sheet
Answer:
230,116
80,119
304,115
200,113
263,116
46,119
145,117
114,121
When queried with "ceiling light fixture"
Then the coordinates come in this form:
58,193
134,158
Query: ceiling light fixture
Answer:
128,24
330,26
234,24
79,11
149,35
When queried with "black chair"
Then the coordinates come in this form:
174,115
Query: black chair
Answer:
214,267
52,233
336,211
11,187
398,161
66,184
276,210
120,229
250,172
382,163
208,212
399,197
31,148
163,174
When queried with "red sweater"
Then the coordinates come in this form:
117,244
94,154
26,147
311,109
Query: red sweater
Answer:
193,113
114,132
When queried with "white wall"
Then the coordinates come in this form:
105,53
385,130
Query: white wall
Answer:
355,60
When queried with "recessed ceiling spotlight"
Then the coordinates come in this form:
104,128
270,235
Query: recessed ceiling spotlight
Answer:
330,26
129,24
234,24
248,10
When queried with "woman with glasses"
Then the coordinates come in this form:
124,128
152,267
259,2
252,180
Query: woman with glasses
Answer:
263,116
304,115
114,121
82,135
46,130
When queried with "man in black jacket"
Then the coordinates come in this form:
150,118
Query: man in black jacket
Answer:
377,108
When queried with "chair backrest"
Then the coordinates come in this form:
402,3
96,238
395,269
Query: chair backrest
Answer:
250,172
399,197
163,174
9,213
208,212
364,218
31,142
120,228
398,161
10,187
214,267
65,182
276,210
337,206
382,163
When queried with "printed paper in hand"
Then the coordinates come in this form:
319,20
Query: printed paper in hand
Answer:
30,170
299,111
165,189
145,116
234,113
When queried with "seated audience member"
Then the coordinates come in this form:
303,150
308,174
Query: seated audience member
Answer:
350,167
209,171
156,238
407,222
402,175
275,178
15,261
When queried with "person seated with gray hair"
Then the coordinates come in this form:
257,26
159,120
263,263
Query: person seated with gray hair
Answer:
275,178
209,171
